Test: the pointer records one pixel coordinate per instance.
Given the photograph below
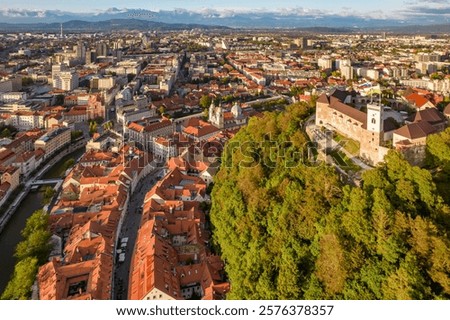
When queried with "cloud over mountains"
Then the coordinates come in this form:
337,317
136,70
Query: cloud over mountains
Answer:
414,13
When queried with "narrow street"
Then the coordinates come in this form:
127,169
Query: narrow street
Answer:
129,230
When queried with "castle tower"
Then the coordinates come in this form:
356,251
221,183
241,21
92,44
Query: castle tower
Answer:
375,118
373,137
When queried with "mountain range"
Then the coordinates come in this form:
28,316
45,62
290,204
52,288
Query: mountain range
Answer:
114,18
105,26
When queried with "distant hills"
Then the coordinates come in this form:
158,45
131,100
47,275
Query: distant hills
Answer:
145,25
141,19
97,26
428,29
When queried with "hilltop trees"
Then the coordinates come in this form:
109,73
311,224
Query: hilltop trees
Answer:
438,149
288,229
394,222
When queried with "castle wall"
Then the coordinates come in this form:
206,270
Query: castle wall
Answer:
370,148
414,154
370,141
326,116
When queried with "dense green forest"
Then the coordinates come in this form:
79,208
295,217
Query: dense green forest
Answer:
289,229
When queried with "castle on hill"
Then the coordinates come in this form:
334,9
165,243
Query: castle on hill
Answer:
370,129
378,128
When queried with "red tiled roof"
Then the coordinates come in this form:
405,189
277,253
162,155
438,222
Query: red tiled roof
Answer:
415,130
88,248
348,110
158,125
417,99
431,115
135,126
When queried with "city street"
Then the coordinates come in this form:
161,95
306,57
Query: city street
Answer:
129,230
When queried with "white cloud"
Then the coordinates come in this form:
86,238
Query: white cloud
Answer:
433,10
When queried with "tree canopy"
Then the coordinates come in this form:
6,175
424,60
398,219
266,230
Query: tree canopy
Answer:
205,101
49,192
438,151
19,287
32,252
289,229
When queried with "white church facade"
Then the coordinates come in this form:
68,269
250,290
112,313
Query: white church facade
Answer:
224,119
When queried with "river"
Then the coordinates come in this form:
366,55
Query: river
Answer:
11,236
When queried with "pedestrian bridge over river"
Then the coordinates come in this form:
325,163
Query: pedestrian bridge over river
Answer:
46,181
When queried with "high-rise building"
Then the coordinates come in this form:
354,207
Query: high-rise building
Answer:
66,80
325,62
102,49
91,56
118,54
56,71
301,42
426,68
107,82
347,71
81,50
427,57
119,43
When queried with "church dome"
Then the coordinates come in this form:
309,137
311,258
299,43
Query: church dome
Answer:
236,110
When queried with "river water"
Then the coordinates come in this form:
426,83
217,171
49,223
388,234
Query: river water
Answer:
11,236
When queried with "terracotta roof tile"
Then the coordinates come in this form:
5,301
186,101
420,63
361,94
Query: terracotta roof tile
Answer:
415,130
431,115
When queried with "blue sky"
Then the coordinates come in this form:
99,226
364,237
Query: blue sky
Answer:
323,5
